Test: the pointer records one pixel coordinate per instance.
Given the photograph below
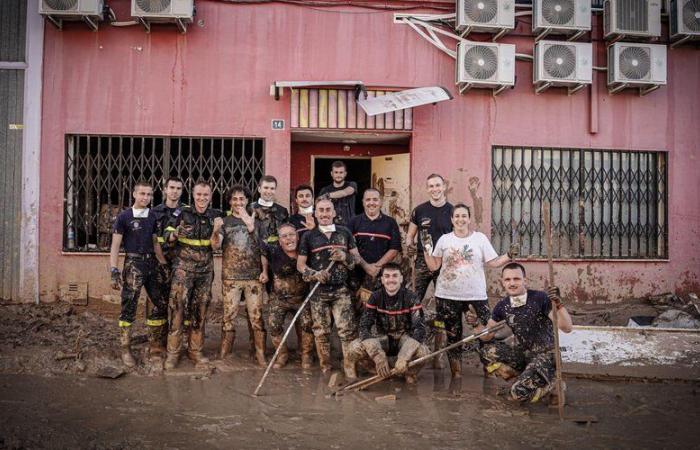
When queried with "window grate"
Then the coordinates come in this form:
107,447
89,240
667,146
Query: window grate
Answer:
100,172
604,203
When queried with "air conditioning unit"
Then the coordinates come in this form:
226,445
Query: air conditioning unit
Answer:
632,18
180,12
684,19
485,65
632,65
488,16
56,11
561,17
561,63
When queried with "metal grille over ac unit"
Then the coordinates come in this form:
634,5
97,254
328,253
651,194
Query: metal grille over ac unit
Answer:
558,63
180,12
684,21
57,11
570,17
488,16
485,65
632,65
632,19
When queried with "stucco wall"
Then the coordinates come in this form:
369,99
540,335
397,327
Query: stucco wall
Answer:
214,81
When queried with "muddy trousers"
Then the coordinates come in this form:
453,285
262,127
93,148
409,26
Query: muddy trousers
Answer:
403,346
189,290
328,305
142,273
450,312
280,309
423,277
251,292
535,370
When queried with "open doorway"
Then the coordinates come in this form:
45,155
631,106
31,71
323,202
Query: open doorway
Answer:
359,170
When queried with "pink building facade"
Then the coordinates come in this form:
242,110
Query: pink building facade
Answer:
214,81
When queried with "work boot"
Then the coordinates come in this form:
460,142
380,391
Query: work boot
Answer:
323,348
283,355
174,347
456,367
439,342
260,338
157,336
349,363
125,342
194,352
307,348
410,378
251,340
227,338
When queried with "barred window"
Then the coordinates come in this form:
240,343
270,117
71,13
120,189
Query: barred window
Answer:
100,172
604,203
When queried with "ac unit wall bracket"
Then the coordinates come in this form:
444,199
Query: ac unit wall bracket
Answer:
58,22
181,24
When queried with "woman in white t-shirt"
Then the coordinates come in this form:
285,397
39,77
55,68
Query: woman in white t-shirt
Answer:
461,256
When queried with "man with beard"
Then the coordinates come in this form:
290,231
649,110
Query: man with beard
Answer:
269,214
342,194
304,219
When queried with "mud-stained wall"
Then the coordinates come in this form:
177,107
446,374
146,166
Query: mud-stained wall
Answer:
214,81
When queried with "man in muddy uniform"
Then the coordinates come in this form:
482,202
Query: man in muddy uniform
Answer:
303,220
378,242
136,228
288,292
528,313
342,193
332,301
270,214
242,273
164,213
195,230
397,314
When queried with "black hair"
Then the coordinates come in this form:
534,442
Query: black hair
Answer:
462,205
513,266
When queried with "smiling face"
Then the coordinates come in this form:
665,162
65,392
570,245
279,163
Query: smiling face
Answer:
304,198
202,197
325,212
436,189
173,190
237,201
142,196
267,190
338,174
514,282
392,280
288,238
372,202
460,219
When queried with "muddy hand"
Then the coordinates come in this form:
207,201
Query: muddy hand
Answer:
338,255
264,278
401,366
554,295
116,279
472,319
322,276
218,223
514,250
411,250
383,369
309,222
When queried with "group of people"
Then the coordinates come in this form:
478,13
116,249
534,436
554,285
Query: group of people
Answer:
268,254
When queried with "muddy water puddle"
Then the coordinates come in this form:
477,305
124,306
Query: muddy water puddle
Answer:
295,410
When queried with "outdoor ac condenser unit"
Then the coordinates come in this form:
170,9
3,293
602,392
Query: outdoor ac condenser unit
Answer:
56,11
561,63
632,18
180,12
561,16
684,20
632,65
485,65
488,16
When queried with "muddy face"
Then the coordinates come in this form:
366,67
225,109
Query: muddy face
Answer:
325,212
288,238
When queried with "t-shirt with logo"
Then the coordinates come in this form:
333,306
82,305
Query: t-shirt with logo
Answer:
462,274
440,218
137,228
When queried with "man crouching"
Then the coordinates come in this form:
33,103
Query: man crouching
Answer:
528,313
398,316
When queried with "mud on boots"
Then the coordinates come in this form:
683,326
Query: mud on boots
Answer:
136,229
194,231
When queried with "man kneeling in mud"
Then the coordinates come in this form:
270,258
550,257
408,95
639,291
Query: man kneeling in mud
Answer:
528,313
398,316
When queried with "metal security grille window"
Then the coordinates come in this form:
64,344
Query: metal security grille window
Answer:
604,203
100,172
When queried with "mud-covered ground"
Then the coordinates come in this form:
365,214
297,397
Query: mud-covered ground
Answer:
52,397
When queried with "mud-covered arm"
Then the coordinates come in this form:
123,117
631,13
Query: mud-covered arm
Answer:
368,319
417,323
158,250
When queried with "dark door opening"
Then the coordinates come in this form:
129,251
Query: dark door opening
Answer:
359,171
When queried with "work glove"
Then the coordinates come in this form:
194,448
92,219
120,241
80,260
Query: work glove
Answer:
472,318
116,279
554,296
338,255
514,250
383,368
427,241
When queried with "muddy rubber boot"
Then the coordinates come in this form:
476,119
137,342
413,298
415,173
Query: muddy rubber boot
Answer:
323,348
251,340
283,355
349,363
125,343
307,349
194,352
227,338
439,342
259,341
456,367
156,346
174,346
